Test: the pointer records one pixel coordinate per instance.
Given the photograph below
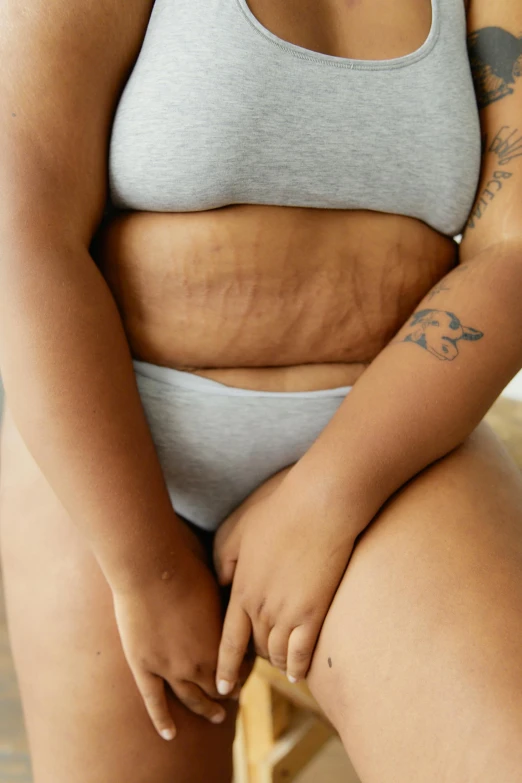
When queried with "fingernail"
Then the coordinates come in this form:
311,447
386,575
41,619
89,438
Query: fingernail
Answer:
168,734
219,717
224,687
292,679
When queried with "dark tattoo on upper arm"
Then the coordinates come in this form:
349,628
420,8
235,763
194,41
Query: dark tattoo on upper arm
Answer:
495,57
506,146
438,332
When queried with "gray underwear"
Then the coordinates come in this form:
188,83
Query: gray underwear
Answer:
217,443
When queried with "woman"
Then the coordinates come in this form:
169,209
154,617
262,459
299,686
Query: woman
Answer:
270,332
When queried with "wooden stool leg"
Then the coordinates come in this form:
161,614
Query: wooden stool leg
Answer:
292,752
257,725
275,739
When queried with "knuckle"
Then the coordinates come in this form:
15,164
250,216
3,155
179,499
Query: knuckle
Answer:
193,671
259,608
301,654
308,614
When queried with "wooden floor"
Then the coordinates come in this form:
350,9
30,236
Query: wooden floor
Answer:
330,766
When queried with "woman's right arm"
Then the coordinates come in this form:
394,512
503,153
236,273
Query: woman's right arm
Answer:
64,358
65,361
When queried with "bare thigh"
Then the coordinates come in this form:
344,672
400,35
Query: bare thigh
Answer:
419,663
85,719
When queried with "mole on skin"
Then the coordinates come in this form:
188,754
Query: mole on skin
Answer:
330,662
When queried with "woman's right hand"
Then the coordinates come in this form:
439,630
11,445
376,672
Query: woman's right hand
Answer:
170,631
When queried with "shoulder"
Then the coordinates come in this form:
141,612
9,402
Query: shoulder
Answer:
64,66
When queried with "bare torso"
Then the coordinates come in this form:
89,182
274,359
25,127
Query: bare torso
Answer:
279,298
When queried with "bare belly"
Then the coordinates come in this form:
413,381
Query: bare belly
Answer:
268,297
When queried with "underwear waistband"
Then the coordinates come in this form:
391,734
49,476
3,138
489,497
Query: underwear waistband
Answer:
188,380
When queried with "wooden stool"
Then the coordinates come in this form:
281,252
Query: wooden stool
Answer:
280,728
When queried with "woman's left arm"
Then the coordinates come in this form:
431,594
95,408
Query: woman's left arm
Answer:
287,546
429,388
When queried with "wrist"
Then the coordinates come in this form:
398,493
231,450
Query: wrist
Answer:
325,486
157,553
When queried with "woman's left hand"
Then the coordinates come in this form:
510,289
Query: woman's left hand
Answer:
285,550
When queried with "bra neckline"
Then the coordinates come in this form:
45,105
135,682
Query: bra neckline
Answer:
347,62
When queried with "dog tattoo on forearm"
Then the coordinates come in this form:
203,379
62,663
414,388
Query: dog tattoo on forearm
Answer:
438,332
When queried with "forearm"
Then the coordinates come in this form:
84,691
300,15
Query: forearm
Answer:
413,405
69,383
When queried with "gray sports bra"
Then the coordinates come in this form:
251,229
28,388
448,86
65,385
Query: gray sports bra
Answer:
218,110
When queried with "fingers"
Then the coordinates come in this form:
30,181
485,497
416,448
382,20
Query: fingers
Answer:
225,554
193,697
278,646
291,650
260,633
152,690
301,646
225,569
234,643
